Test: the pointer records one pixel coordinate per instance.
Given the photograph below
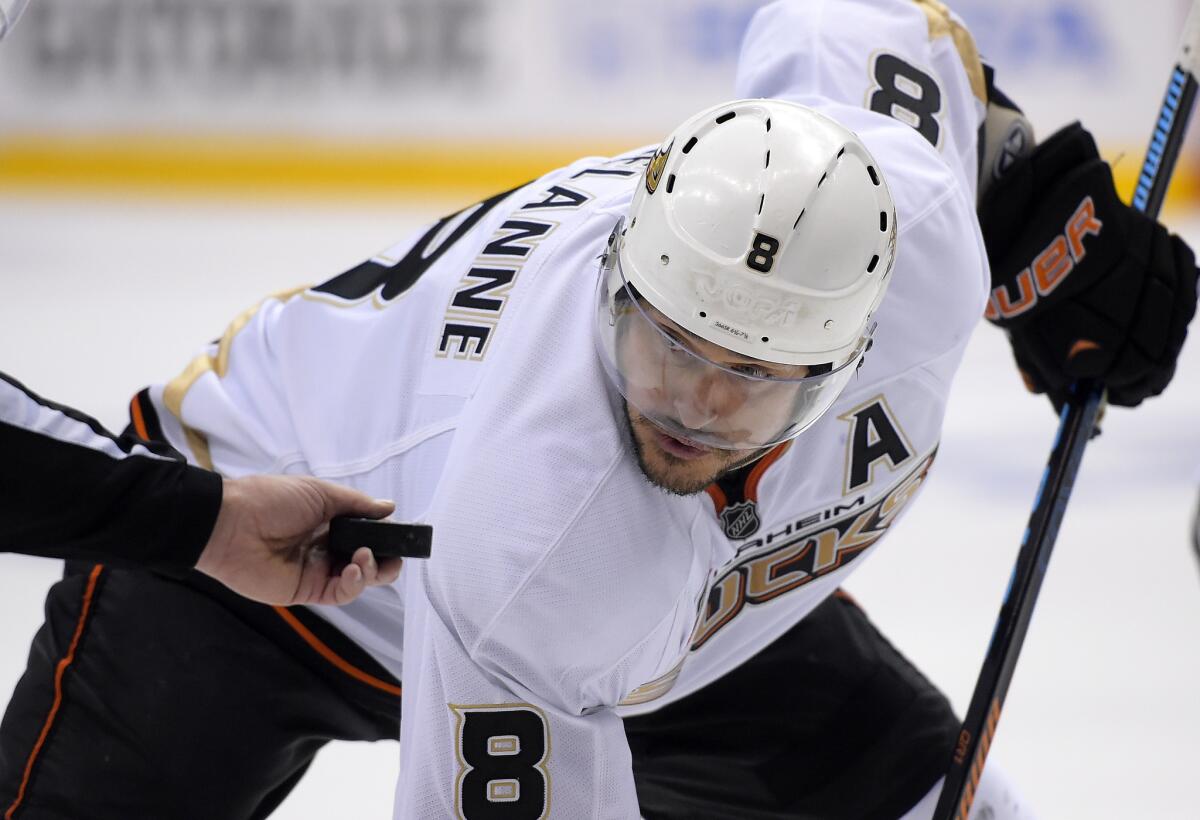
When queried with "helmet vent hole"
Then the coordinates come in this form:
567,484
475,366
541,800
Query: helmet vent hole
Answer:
797,225
767,164
766,338
726,117
821,181
670,183
839,156
882,219
874,262
703,315
761,199
768,123
666,260
874,176
690,145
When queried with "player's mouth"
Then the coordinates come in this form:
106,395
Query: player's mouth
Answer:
680,448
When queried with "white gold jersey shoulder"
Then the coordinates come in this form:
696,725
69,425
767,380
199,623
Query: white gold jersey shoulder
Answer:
909,60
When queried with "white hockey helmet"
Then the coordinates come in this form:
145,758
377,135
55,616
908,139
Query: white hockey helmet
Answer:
766,229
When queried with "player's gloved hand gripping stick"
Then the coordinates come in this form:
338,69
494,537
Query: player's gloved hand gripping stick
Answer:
1077,420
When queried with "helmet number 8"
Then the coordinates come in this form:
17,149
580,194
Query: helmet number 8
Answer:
762,253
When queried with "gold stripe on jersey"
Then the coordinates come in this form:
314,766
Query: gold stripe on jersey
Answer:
942,24
176,389
173,395
653,689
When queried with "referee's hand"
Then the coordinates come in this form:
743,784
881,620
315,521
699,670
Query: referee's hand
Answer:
268,541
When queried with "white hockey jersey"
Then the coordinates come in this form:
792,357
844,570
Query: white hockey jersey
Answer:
456,374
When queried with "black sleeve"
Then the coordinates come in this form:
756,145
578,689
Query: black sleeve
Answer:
71,489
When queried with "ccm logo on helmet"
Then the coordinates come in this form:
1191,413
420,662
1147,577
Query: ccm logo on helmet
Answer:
1049,268
762,306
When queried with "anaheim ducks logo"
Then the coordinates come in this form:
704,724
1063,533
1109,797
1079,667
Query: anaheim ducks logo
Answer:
810,547
654,170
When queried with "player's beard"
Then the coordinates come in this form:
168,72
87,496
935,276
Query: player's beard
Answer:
680,476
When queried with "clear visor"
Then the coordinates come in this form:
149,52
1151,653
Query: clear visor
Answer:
700,392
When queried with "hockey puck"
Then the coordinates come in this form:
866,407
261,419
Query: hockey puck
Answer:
386,539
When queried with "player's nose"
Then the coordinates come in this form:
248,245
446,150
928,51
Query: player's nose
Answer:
708,398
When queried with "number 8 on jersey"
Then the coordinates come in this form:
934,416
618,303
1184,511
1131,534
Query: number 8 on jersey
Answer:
502,752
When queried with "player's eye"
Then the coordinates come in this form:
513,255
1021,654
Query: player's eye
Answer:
674,343
751,370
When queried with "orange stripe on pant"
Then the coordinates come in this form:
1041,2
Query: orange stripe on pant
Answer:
139,421
322,649
328,654
59,673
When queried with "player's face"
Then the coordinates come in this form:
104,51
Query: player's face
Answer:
676,465
669,384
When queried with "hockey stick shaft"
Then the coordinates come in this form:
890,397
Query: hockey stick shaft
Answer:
1075,428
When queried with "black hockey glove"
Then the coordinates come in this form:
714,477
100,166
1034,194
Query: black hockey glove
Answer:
1087,286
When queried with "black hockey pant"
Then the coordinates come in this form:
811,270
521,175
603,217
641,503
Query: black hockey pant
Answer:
147,698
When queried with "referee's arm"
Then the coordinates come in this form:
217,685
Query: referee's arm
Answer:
71,489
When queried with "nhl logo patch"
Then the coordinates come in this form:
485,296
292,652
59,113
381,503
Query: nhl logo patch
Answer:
740,520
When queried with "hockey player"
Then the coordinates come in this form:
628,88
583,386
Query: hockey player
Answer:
656,407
